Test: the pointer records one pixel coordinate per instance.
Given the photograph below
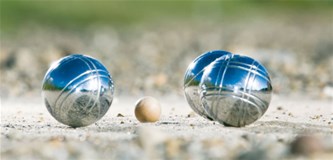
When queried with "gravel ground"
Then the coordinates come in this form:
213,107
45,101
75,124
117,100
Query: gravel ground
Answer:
294,127
153,59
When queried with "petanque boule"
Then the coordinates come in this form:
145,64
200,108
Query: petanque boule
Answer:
235,90
77,90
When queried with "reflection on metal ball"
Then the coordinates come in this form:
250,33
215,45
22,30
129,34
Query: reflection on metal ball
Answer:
77,90
193,76
235,90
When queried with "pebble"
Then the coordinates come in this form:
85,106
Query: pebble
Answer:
306,145
279,108
191,114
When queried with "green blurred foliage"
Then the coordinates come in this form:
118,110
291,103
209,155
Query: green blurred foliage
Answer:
77,14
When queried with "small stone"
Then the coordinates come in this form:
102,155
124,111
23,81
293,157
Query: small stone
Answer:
245,136
306,145
290,114
192,126
280,140
120,115
190,115
315,117
9,126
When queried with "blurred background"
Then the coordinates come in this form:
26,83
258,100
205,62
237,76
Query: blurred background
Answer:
147,45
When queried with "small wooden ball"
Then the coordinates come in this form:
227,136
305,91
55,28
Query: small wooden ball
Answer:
147,109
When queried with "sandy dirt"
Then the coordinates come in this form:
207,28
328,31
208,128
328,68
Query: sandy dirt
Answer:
28,131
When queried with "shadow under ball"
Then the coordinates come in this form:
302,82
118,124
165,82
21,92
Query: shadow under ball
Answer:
77,90
235,90
193,77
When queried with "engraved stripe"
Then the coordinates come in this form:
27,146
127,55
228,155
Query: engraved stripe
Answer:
245,87
92,73
246,64
98,92
187,84
224,71
255,72
249,91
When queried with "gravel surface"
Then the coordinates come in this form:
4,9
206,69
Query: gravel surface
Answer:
294,127
153,59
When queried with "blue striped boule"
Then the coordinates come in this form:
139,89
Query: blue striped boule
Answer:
77,90
235,90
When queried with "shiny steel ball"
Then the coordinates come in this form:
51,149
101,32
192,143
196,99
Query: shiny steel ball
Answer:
147,109
77,90
235,90
193,77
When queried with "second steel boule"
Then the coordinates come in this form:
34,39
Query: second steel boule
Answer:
77,90
235,90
